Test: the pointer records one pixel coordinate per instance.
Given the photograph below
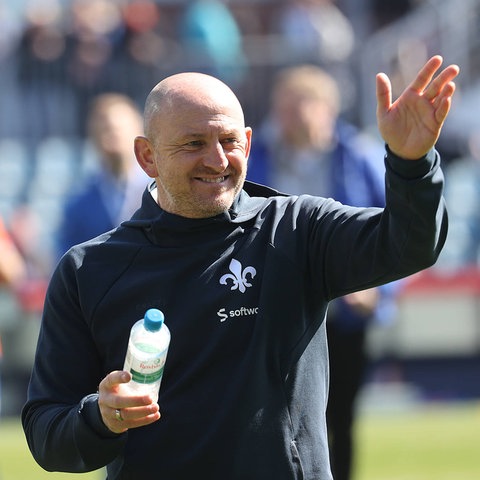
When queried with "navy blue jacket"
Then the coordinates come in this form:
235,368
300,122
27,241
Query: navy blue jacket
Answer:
244,295
355,177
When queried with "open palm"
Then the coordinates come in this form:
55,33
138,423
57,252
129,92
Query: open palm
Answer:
412,124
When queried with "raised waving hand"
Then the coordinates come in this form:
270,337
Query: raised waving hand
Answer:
411,124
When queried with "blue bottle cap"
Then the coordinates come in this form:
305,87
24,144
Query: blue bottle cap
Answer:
153,319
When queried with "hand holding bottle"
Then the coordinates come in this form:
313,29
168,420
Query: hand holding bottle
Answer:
128,398
120,410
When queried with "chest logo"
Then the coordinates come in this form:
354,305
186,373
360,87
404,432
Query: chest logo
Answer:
238,277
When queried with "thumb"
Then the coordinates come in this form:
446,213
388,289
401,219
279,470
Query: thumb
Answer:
113,379
384,94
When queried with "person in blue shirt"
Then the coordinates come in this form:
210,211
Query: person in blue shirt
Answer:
304,147
112,192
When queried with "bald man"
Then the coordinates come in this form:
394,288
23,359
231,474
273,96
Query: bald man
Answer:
244,276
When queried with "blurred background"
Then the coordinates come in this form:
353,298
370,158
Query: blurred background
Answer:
57,55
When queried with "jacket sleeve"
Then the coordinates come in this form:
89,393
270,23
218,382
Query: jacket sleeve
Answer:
416,210
356,248
61,418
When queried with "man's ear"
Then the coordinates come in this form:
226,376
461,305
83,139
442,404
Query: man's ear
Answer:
248,134
145,156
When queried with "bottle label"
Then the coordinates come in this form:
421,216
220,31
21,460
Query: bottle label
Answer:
145,371
151,377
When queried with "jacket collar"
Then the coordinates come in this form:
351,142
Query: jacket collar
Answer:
161,226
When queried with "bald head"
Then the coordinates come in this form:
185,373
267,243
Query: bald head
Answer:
196,145
188,90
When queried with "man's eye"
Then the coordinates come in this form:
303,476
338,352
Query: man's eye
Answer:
194,143
229,140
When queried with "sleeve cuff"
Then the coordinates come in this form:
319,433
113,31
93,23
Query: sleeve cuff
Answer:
90,412
411,169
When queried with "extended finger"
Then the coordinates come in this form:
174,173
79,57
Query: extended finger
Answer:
442,85
384,93
447,91
426,73
443,107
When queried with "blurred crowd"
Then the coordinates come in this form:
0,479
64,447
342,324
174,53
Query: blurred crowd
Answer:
57,56
61,52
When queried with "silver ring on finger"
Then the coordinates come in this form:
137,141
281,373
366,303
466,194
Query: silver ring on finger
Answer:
118,415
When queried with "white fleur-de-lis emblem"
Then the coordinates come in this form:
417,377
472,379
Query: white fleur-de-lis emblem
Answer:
238,276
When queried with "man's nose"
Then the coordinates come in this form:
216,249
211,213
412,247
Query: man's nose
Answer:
216,158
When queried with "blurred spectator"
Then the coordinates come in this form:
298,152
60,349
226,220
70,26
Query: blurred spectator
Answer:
462,194
384,13
94,30
25,227
149,50
23,281
12,266
318,32
305,148
11,29
212,40
253,18
42,71
12,273
112,193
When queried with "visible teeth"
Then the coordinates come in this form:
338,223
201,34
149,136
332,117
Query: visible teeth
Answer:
213,180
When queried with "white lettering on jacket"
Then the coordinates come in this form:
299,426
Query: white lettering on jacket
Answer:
223,314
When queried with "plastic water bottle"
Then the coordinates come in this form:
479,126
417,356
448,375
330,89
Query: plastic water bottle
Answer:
147,353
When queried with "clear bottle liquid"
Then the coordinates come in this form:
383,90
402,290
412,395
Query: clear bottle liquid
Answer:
147,353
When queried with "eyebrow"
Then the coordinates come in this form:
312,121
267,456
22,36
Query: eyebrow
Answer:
194,134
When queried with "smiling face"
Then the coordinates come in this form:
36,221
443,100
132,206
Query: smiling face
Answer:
197,145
